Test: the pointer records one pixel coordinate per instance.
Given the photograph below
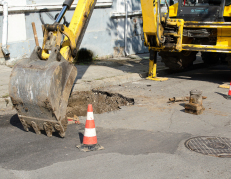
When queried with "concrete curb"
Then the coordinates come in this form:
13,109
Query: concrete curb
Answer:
226,86
87,86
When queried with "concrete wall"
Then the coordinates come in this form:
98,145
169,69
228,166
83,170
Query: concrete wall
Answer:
104,35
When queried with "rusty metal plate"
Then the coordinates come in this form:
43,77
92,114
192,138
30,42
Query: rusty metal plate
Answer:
213,146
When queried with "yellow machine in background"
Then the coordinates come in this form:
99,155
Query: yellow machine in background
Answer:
188,27
40,86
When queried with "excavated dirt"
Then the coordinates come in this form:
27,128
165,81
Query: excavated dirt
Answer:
102,102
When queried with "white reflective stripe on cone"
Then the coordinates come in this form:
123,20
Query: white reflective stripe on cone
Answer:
89,132
90,116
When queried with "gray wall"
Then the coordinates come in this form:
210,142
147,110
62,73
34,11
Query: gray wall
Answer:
104,35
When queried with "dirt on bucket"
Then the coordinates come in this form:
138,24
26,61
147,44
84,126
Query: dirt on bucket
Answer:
102,101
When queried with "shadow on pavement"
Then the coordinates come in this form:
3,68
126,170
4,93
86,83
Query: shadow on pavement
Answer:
224,95
81,137
14,121
217,74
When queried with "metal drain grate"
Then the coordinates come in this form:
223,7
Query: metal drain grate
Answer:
213,146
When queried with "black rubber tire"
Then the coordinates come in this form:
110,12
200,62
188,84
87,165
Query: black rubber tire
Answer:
223,58
228,59
178,61
210,58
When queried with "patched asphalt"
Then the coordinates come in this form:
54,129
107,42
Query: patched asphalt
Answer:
27,151
146,140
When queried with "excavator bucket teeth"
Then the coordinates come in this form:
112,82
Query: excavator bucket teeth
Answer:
40,90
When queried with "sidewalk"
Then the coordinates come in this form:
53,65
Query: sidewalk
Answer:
113,71
100,73
4,81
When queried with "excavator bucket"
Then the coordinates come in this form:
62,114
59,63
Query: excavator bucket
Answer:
39,90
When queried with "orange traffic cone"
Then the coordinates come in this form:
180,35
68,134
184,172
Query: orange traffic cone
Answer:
90,138
90,132
229,93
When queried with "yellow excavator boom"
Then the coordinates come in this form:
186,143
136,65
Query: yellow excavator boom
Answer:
40,86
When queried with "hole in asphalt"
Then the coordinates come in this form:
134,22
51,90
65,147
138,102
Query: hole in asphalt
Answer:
102,101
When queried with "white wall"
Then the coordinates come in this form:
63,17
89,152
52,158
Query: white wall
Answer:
16,2
42,2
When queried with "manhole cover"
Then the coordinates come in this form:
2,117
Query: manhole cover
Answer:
214,146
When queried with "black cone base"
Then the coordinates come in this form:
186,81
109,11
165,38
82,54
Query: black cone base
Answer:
228,97
89,148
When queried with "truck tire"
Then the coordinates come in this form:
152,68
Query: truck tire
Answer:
228,59
223,58
210,58
178,61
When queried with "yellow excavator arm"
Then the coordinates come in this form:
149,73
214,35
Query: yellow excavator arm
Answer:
74,33
40,86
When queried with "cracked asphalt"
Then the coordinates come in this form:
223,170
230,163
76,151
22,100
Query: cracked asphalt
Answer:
141,141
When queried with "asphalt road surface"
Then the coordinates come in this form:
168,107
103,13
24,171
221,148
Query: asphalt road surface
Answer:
141,141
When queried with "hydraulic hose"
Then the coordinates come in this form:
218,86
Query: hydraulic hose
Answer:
66,5
168,9
61,14
158,22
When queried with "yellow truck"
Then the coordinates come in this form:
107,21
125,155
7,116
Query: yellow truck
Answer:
189,26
